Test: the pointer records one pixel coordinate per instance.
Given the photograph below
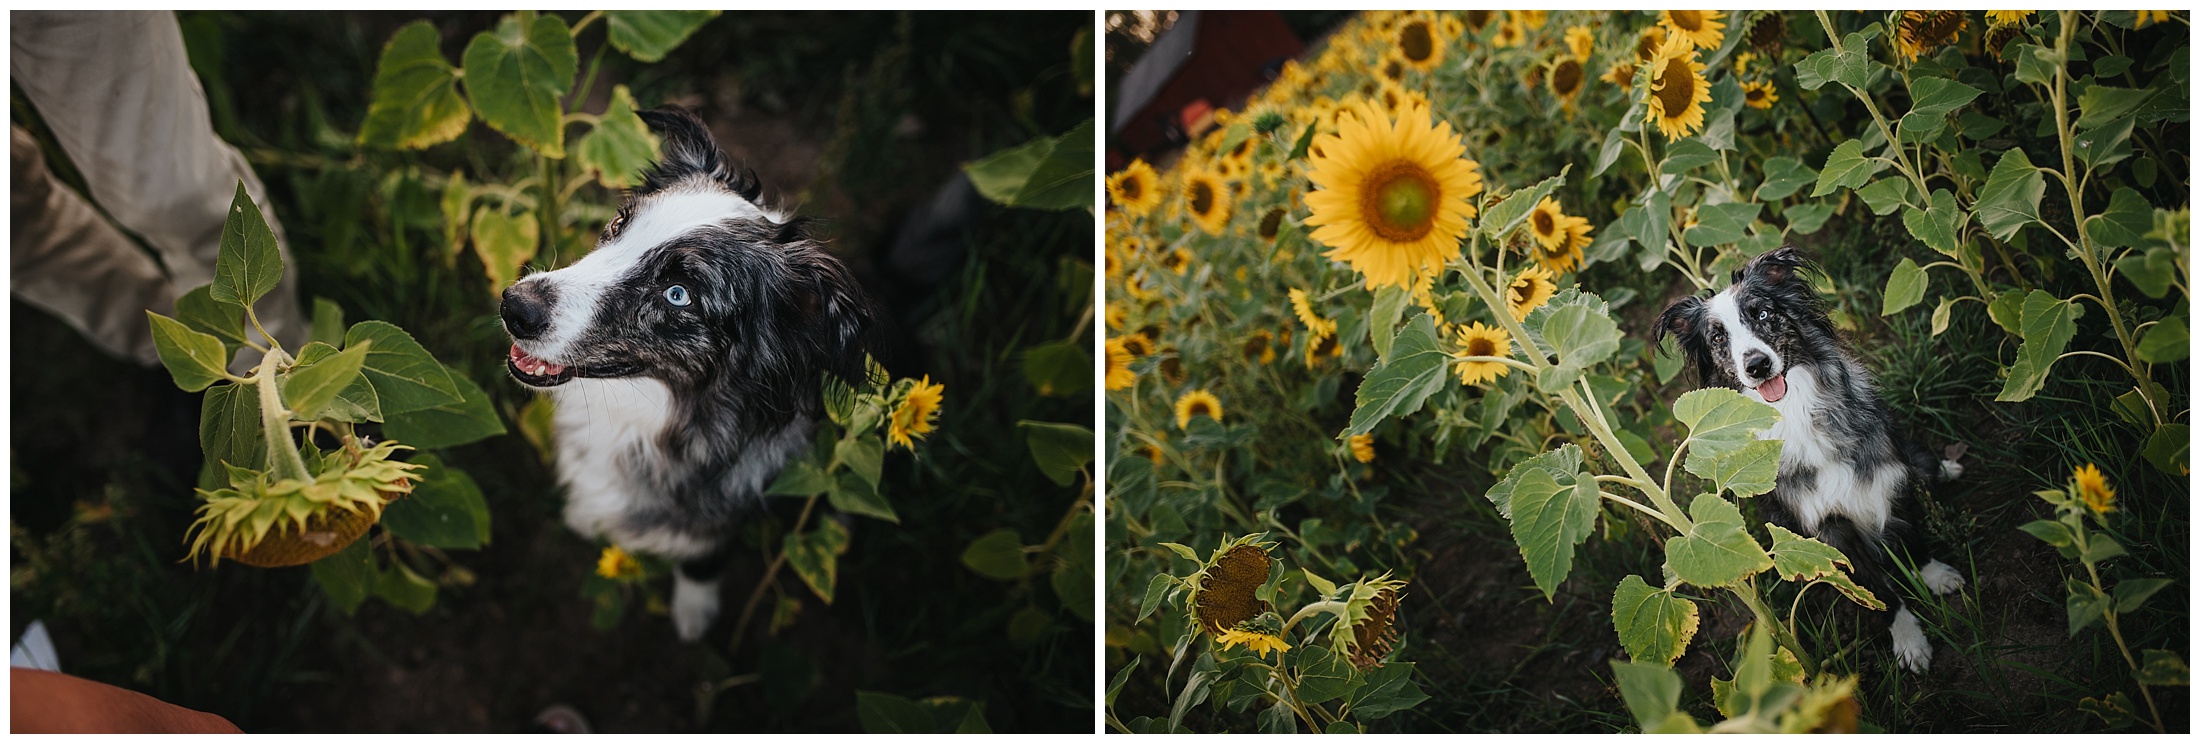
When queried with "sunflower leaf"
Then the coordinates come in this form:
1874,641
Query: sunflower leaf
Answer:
1580,337
2046,324
648,35
516,74
2011,198
1846,168
416,101
1655,625
1400,384
1508,214
1905,287
1783,175
1717,551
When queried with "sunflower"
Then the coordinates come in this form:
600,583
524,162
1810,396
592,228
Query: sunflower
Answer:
1373,611
1547,223
1529,290
1759,95
617,564
1260,347
1420,45
1135,189
1321,348
1116,314
1259,643
1622,74
1923,30
1648,42
1207,201
1363,447
2007,17
913,418
1677,89
1271,223
1393,197
1138,344
1580,41
1197,403
1479,19
1396,98
1508,34
1565,254
1223,594
1153,451
1741,62
1566,78
1177,261
2146,17
1393,68
2092,489
1119,366
1531,19
1453,27
1768,32
1479,340
1701,27
1304,308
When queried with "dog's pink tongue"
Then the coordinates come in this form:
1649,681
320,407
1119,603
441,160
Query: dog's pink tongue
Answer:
1774,389
522,360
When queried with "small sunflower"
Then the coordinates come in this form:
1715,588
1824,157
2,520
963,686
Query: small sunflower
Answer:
617,564
1678,90
1508,34
1622,74
2092,489
2147,17
1321,348
1419,43
2007,17
1701,27
1477,340
1393,196
1314,322
1259,643
1529,290
1530,19
1759,95
1119,366
1742,62
913,418
1648,42
1177,261
1270,224
1207,201
1138,344
1479,19
1135,189
1580,41
1547,223
1116,315
1197,403
1566,79
1363,447
1453,27
1921,31
1565,254
1260,347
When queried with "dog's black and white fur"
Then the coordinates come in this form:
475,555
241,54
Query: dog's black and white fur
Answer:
684,356
1844,464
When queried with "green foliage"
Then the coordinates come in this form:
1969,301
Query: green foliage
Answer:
1045,173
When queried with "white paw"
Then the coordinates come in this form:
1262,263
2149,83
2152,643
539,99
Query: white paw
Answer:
1910,646
694,606
1941,578
1950,470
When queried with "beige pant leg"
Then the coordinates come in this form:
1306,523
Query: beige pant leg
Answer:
67,259
117,91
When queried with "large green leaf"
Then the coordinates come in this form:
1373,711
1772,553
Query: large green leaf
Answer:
504,242
1746,471
619,146
446,509
1720,224
1383,317
1687,155
1721,420
2166,448
801,478
1509,213
309,388
1324,675
1060,369
647,35
2035,64
853,495
1783,176
517,73
2162,668
997,555
1940,225
1654,624
1805,219
229,426
1905,287
1653,694
200,312
1802,559
1886,195
2011,197
2125,223
1561,464
249,265
1717,551
2166,341
405,376
194,359
1581,337
1061,450
471,419
1846,168
416,101
405,590
1932,99
2046,325
1850,67
1548,520
1385,690
1045,173
1072,579
1400,384
2100,104
2151,272
815,556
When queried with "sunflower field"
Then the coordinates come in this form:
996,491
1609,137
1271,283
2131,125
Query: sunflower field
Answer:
1391,446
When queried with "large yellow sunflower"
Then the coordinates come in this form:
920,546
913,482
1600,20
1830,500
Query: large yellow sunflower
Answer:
1135,189
913,418
1677,89
2092,489
1924,30
1701,27
1119,366
1759,95
1419,42
1207,200
1479,340
1529,290
1197,403
1393,197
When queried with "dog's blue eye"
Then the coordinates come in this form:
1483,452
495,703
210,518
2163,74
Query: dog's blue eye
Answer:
1763,313
677,295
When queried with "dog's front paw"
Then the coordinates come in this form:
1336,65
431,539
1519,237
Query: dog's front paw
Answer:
1950,470
1941,578
694,606
1910,646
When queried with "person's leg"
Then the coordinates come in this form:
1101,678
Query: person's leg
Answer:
117,91
67,259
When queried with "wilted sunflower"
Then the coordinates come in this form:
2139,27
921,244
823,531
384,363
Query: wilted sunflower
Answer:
617,564
1566,78
2007,17
1768,32
1363,447
1678,90
1393,196
1529,290
1701,27
2092,489
1223,592
1135,189
1207,200
1477,340
1419,43
1119,366
1923,30
1371,613
1197,403
1580,41
1759,95
913,418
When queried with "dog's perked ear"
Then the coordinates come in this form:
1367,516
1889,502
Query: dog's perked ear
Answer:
688,151
830,311
1775,267
1679,319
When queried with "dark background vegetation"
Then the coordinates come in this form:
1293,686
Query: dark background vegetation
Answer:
858,119
1495,656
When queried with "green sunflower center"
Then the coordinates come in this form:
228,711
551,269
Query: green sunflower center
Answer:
1202,196
1675,87
1480,346
1414,41
1399,201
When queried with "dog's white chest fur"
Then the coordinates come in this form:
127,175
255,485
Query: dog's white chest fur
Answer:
606,430
1837,485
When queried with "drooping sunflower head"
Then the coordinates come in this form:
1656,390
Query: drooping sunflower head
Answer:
1371,614
1135,189
2092,489
1222,595
1580,41
1567,76
1393,193
1701,27
1921,31
1479,18
1678,90
1759,94
1323,347
1119,366
912,419
1420,43
1195,403
1768,32
1529,290
1363,447
1271,222
1477,340
1207,201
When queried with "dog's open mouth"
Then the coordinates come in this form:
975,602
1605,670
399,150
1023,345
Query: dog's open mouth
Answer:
1774,389
536,372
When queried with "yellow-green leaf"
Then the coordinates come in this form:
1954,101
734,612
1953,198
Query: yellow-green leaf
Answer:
194,359
309,388
517,73
416,101
815,556
619,146
248,266
504,242
1905,287
648,35
1717,551
1654,624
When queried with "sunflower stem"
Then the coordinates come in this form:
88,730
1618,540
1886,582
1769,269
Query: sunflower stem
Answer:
283,459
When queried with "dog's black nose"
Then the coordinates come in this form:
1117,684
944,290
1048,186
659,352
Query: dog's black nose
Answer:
526,315
1756,362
